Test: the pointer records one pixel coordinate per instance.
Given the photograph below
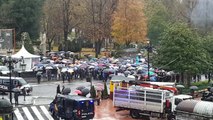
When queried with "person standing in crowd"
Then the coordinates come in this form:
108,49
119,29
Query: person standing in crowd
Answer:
68,74
24,93
58,73
98,97
16,95
63,76
38,76
49,75
43,71
62,90
58,91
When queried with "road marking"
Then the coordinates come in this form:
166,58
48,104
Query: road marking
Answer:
18,114
35,110
27,112
46,113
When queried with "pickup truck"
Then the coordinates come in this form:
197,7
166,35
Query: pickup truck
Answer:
146,102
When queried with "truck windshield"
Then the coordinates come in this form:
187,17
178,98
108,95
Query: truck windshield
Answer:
22,81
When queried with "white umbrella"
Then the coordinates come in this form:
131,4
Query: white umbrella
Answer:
180,86
193,87
49,67
91,67
70,70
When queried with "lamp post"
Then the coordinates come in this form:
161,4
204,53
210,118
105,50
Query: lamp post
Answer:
149,49
9,61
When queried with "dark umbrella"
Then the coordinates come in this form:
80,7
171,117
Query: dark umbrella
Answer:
85,91
127,72
193,87
80,87
66,91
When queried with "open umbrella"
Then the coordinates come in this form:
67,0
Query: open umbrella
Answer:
99,86
85,91
70,70
193,87
49,67
91,67
127,72
180,86
150,73
66,91
78,92
80,88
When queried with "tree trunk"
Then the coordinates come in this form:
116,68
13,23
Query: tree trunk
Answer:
182,78
189,79
209,77
49,46
98,45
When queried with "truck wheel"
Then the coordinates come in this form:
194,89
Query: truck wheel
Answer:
134,114
171,117
145,117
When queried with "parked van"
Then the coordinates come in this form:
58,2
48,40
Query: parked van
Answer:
16,82
72,107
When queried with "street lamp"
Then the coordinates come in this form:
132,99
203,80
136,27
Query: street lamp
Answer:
9,61
149,49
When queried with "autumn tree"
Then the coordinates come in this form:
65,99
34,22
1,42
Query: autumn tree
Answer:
129,22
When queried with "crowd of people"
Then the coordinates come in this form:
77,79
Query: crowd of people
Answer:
97,69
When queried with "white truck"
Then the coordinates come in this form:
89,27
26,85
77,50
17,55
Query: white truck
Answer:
145,102
194,110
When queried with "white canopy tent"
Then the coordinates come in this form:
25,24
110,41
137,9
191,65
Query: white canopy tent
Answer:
28,59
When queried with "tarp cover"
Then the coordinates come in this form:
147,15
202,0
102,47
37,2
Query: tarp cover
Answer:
23,52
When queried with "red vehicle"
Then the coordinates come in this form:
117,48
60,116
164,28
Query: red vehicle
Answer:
163,87
170,86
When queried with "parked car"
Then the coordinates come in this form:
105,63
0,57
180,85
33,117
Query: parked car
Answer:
4,71
17,82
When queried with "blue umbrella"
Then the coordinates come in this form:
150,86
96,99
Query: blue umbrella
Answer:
153,79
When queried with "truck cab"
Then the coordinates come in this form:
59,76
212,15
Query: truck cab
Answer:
176,99
173,103
72,107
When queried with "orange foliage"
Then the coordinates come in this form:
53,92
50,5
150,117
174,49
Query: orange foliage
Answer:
129,22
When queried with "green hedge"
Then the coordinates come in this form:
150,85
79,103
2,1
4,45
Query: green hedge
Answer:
201,85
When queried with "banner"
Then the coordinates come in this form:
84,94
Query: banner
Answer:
6,39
